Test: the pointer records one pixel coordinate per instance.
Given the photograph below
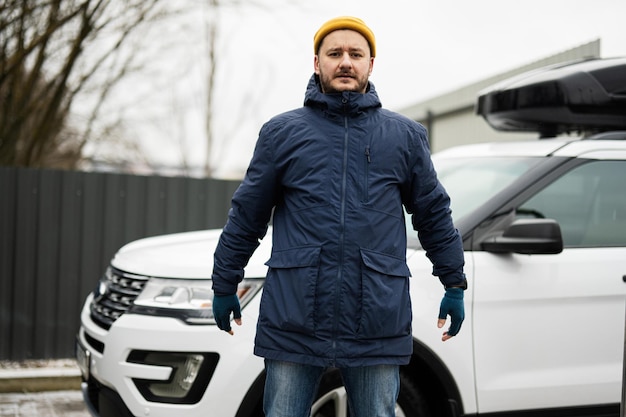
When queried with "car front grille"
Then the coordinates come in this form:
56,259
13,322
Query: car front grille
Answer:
115,295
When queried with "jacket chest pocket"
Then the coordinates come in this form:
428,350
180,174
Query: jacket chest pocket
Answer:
289,301
365,177
380,172
386,303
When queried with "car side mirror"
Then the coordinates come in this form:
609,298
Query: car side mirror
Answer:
528,236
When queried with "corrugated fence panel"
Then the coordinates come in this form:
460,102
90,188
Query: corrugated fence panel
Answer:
46,291
7,226
58,231
22,329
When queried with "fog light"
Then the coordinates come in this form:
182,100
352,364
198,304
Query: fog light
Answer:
191,373
185,368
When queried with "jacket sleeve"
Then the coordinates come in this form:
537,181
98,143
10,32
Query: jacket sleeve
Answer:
429,205
248,218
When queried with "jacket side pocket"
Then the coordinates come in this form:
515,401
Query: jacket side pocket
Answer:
386,306
289,295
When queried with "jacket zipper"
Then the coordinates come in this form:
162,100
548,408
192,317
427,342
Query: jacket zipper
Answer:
366,175
342,214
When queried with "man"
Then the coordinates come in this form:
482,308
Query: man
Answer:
334,176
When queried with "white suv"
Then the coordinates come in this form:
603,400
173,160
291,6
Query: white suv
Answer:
544,232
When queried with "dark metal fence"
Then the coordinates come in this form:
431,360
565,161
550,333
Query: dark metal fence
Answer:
58,231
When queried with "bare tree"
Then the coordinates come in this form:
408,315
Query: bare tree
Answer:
213,30
44,67
65,67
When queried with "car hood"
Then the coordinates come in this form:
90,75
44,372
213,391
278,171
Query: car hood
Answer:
182,255
186,255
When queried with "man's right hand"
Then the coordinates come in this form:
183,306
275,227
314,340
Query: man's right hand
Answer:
223,305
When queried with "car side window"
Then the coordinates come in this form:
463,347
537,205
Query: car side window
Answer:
588,202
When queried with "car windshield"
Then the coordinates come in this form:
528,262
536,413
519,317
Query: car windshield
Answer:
471,182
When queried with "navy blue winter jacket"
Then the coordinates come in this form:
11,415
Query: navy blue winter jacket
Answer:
336,174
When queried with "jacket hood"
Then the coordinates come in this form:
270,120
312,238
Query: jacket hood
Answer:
355,103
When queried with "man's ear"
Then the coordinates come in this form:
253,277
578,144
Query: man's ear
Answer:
316,64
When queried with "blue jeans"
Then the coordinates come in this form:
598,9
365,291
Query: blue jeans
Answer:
290,389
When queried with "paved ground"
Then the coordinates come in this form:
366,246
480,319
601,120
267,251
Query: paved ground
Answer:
43,404
41,388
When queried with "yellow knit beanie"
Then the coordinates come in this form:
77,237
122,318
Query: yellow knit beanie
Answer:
345,22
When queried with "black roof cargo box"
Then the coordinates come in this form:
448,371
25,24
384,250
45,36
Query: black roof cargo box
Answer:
584,96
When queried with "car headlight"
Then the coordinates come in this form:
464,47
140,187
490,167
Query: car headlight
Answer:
189,300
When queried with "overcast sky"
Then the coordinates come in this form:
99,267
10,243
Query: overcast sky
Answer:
425,48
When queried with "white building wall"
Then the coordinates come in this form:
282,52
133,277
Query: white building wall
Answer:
465,128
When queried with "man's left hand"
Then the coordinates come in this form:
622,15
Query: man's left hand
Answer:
451,305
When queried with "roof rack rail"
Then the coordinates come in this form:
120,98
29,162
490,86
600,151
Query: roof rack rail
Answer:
588,95
615,135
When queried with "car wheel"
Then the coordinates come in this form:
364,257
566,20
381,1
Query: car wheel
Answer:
332,399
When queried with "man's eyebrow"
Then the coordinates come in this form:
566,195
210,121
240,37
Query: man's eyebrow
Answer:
351,49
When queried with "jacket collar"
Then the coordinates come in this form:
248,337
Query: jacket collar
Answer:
346,102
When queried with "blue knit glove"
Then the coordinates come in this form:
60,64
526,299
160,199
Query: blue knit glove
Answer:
223,305
452,305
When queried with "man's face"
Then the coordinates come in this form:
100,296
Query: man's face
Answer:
343,62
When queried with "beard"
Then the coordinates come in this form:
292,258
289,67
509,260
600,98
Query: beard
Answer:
334,84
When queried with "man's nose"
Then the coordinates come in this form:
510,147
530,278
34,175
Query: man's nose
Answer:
346,62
